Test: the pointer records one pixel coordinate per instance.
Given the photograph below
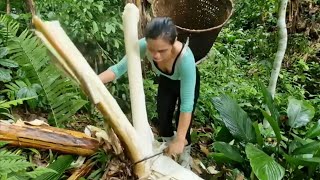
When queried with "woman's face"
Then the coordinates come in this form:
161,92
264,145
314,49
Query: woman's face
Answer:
159,49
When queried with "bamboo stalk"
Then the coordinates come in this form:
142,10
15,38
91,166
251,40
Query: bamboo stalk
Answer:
46,137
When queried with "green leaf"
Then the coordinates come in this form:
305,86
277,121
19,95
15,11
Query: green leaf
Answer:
235,118
2,144
5,75
8,63
294,145
229,151
224,135
13,103
95,27
302,160
7,166
258,133
40,171
3,51
59,166
274,124
109,28
263,166
220,158
299,113
8,155
269,101
314,131
309,148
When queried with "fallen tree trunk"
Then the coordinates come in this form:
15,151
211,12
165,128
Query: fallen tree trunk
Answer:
46,137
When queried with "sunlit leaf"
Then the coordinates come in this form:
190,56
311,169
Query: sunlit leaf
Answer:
235,118
263,166
299,113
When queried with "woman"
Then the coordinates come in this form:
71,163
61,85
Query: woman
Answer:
178,80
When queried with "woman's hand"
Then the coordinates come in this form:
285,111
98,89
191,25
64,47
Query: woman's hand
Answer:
107,76
176,147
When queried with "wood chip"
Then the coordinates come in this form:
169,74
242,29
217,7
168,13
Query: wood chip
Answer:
212,170
204,149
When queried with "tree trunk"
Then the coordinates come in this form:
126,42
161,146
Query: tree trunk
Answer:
30,7
282,45
293,15
46,137
8,8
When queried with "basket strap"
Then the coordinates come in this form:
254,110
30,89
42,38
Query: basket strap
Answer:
184,50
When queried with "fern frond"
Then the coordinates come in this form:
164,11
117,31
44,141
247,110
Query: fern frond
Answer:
7,166
31,55
4,104
40,171
10,26
7,155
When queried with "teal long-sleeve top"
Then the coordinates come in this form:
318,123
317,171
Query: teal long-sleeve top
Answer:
184,70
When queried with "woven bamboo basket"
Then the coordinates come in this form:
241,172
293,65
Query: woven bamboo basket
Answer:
200,20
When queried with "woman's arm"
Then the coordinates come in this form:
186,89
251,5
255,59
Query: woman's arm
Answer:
117,70
187,93
183,126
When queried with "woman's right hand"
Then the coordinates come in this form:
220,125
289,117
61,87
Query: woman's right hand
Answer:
107,76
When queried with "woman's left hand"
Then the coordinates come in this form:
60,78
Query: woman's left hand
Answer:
176,147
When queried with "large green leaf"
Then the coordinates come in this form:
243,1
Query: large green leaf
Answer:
299,113
235,118
263,166
229,151
314,131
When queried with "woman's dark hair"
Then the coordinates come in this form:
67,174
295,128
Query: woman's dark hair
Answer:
161,27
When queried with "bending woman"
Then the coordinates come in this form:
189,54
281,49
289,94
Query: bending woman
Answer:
179,82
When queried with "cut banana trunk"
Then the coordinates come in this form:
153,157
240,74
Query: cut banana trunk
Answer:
138,139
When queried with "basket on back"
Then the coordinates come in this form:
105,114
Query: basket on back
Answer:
200,20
